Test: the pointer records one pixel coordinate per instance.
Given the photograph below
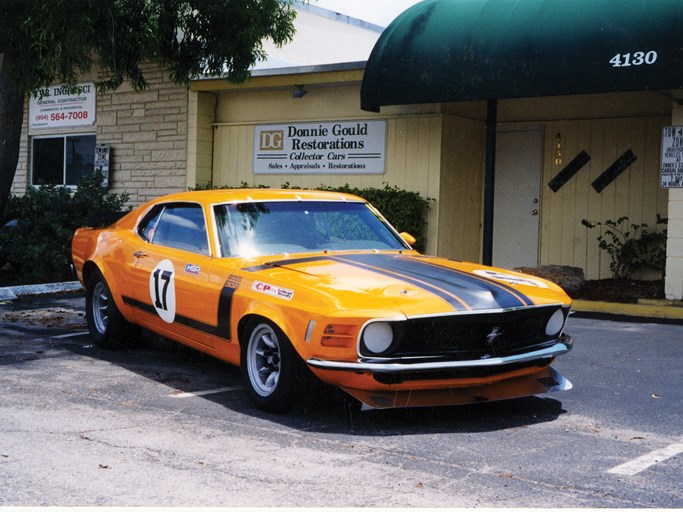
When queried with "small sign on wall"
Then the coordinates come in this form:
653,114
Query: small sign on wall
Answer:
102,163
59,106
344,147
671,170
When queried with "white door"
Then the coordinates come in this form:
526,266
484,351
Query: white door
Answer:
516,198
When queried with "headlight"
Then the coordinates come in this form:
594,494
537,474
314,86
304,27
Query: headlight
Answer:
555,324
377,337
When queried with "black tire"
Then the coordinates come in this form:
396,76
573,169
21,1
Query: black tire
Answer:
107,327
273,374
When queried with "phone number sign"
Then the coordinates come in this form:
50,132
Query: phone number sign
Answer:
671,170
58,106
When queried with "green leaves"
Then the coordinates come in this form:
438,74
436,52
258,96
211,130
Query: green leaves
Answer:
631,247
57,40
39,247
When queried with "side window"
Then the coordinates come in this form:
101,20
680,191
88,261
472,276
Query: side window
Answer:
148,225
181,226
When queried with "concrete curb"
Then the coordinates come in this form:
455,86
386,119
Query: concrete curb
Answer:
9,293
665,309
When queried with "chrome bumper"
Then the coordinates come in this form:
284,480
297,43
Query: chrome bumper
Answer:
563,346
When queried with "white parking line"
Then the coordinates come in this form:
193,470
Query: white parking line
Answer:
635,466
70,335
207,392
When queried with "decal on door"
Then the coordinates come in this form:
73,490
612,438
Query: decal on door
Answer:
162,290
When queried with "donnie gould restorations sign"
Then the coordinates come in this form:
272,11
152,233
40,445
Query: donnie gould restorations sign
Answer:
344,147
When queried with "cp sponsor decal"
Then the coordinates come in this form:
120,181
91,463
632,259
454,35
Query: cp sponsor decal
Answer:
162,290
511,278
274,291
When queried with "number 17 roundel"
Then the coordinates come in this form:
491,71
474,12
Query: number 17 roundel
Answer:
162,290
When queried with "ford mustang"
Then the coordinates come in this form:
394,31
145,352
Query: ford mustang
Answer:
296,286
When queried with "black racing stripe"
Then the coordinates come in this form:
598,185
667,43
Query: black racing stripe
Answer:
222,330
224,311
477,278
452,300
284,263
475,292
456,287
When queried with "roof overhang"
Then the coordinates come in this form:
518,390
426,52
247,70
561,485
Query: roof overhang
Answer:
324,74
465,50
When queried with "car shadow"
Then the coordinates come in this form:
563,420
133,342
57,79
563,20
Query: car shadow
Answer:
185,370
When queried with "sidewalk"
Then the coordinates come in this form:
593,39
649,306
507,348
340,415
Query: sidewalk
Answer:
9,293
646,308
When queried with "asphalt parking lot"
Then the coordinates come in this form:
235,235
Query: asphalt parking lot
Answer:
158,426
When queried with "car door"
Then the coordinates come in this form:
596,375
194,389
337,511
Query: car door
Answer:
169,285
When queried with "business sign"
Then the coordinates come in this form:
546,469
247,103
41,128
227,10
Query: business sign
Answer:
59,106
344,147
671,170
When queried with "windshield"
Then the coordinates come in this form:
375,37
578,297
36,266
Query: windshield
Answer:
258,229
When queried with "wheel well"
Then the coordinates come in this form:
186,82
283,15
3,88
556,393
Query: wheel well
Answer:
244,321
89,268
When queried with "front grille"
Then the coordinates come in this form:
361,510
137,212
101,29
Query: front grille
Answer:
475,336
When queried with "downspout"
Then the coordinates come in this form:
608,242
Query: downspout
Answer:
489,180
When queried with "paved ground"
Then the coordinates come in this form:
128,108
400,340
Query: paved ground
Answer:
81,426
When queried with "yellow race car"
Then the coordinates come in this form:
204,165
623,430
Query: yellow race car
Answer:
291,284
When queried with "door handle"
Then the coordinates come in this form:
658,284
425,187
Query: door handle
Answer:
140,254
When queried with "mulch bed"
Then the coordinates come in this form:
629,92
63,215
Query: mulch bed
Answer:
619,290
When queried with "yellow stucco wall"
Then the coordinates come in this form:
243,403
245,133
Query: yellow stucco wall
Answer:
635,193
460,197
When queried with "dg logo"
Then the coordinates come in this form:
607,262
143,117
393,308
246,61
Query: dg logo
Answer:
272,140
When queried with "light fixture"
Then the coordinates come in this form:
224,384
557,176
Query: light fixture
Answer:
299,91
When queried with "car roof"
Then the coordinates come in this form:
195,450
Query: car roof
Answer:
255,194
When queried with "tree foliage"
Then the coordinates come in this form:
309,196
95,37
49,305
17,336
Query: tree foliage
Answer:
49,41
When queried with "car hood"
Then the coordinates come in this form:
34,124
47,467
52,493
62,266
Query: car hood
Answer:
412,283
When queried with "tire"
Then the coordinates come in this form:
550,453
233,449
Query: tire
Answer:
107,327
273,374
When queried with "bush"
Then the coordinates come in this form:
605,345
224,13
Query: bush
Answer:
405,210
39,246
631,247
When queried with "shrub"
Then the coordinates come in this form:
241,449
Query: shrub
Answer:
39,246
631,247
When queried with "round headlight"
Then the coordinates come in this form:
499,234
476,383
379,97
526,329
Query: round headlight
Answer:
555,324
377,337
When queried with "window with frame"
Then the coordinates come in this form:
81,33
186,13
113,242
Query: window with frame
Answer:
62,160
176,225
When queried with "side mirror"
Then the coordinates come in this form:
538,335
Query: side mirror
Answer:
408,238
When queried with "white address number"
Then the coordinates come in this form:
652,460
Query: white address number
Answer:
621,60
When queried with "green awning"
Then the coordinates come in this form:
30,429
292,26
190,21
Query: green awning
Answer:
461,50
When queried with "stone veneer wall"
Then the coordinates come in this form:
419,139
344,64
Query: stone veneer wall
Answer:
147,134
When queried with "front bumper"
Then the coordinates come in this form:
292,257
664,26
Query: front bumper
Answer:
563,345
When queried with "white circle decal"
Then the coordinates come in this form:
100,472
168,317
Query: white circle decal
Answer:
162,290
511,278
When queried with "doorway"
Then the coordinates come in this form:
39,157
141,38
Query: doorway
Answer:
516,198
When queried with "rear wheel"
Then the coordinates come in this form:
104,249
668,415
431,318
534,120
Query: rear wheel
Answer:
107,327
272,372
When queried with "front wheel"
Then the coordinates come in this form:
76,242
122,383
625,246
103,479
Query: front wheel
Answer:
272,372
107,327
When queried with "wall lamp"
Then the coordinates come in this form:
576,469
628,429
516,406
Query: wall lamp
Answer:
299,91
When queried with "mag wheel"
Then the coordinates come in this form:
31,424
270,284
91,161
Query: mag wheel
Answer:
107,326
271,369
